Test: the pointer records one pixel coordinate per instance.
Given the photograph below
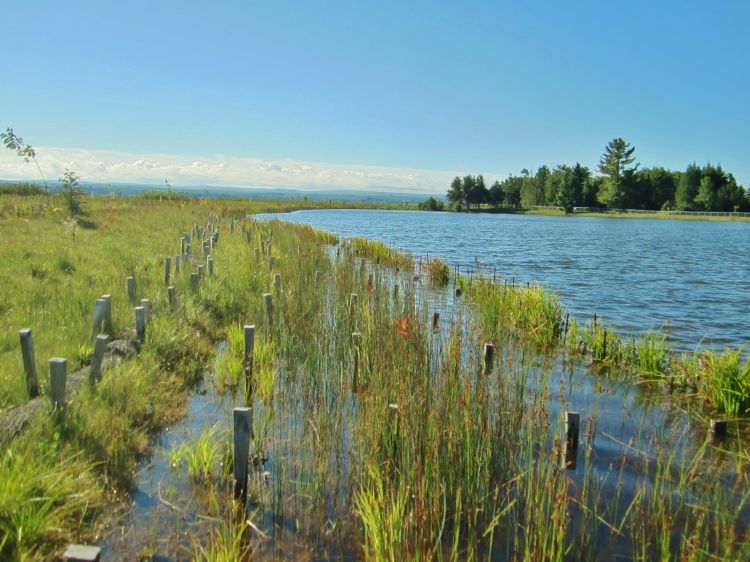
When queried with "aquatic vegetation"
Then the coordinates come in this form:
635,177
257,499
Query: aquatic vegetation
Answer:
207,457
532,313
725,380
381,253
652,355
438,272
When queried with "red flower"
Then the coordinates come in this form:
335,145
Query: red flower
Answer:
402,326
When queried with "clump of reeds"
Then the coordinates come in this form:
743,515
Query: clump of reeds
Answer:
207,457
381,253
438,272
531,313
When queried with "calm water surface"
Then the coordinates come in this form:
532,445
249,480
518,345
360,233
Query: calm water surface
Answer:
690,278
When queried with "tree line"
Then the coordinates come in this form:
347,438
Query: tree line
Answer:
620,184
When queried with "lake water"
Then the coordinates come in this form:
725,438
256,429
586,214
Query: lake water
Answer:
690,278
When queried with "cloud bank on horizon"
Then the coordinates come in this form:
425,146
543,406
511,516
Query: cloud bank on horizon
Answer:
218,170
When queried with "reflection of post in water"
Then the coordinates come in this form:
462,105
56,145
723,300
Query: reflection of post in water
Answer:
572,425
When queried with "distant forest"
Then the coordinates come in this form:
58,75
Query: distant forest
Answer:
622,184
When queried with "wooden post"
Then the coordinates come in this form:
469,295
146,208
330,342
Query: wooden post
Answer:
489,354
167,269
268,302
107,313
395,291
82,553
29,363
248,235
130,283
572,424
243,424
177,260
100,310
57,376
146,304
170,295
210,265
140,323
356,350
718,429
95,372
271,261
200,271
435,321
187,249
194,280
277,284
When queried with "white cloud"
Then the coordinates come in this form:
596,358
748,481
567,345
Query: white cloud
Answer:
110,166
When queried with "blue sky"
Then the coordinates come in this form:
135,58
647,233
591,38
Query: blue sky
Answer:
398,95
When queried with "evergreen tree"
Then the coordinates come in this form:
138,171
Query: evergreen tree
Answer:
616,191
456,192
496,194
687,188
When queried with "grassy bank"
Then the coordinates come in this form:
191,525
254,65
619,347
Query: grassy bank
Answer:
655,215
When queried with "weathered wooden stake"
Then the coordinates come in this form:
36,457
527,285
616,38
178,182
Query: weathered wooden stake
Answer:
194,280
107,313
268,302
200,271
95,372
187,249
170,295
146,304
277,284
100,310
718,429
210,265
29,362
489,355
140,323
435,321
82,553
167,269
57,377
248,235
243,424
177,261
572,426
271,261
395,291
130,283
356,350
